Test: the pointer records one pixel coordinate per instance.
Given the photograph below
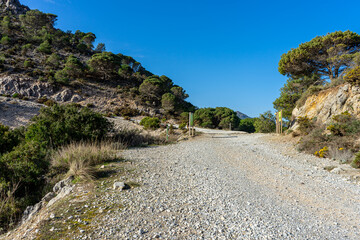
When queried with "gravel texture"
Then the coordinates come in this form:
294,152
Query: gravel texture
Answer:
217,186
230,187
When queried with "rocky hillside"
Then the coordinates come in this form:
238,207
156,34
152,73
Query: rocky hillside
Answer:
328,103
38,61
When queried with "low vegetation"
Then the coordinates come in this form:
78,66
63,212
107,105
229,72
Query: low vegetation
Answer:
337,140
62,140
79,159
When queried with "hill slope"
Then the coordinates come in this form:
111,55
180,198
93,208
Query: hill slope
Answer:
38,61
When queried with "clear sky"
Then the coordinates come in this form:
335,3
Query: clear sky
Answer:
224,53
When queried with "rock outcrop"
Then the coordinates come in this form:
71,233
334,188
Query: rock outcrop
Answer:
13,84
14,6
328,103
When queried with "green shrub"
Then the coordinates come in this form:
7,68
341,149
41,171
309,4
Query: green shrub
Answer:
28,63
126,112
265,123
5,40
306,125
182,126
45,47
9,138
26,165
62,124
247,125
356,162
150,123
16,95
353,76
62,77
53,60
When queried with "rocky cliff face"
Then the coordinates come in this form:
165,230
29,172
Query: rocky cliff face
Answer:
13,6
328,103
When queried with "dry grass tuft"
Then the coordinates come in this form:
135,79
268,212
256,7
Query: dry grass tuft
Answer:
79,159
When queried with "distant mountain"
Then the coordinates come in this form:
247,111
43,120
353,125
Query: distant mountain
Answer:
241,115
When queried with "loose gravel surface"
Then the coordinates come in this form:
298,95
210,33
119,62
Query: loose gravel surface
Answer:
231,187
15,112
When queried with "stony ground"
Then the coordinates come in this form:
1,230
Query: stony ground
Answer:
214,187
15,112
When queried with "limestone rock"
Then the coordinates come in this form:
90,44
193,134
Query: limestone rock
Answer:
119,185
48,197
31,211
63,183
328,103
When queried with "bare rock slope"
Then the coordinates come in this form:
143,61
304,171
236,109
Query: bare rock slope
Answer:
328,103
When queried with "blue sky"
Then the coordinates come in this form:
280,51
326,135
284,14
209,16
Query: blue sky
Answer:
224,53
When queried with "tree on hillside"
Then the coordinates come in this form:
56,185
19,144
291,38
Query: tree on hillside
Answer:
327,56
292,92
154,87
73,67
168,102
105,64
179,93
34,20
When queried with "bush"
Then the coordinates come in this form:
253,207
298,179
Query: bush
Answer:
353,76
247,125
150,123
45,47
356,162
26,165
126,112
79,159
62,77
9,138
265,123
28,64
62,124
305,125
182,126
5,40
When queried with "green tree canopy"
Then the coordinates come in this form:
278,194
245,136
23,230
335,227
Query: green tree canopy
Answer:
73,67
220,117
265,123
105,64
34,20
168,102
327,56
247,125
292,92
179,92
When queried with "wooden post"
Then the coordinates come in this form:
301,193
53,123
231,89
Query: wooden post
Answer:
277,122
167,133
189,124
281,123
230,127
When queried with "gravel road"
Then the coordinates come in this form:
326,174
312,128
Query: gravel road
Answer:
232,187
